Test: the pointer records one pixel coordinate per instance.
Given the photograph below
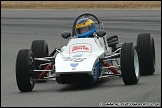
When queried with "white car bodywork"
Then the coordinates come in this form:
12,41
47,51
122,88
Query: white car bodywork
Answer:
81,55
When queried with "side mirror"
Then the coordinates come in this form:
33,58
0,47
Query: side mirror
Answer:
66,34
101,33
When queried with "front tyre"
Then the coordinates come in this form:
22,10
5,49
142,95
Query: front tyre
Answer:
24,62
129,64
146,52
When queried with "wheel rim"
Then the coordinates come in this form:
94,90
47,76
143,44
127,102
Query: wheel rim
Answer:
154,62
30,61
136,64
30,65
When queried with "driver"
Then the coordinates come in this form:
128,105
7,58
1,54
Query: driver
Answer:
85,28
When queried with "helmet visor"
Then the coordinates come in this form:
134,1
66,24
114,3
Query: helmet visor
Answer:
84,29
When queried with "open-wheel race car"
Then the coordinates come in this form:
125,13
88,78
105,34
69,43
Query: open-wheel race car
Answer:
85,59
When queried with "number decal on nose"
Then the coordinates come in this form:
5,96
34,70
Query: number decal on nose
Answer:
73,59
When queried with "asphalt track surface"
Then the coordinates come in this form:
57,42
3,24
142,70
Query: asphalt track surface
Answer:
20,27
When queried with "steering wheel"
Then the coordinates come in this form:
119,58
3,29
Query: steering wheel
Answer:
86,15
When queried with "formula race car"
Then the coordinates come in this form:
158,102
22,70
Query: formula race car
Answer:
85,60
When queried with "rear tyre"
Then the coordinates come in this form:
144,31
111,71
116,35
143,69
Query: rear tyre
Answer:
146,52
39,49
24,62
129,64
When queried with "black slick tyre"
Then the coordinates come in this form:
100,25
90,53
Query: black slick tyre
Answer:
146,52
39,48
24,62
129,64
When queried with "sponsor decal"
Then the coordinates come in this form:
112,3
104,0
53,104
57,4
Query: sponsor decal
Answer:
77,47
80,47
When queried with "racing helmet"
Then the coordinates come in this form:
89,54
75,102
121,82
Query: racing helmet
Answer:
85,28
